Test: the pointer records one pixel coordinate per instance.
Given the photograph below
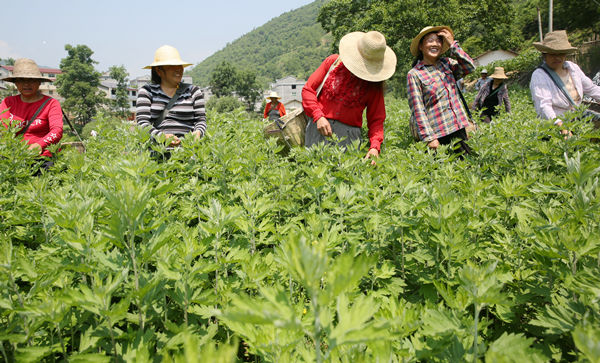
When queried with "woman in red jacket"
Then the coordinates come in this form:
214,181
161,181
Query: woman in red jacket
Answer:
39,116
274,109
338,92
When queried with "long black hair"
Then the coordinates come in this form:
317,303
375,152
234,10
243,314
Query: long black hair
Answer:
155,78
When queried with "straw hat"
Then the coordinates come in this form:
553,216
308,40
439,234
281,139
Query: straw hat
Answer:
414,45
26,68
367,56
555,42
498,73
167,56
273,95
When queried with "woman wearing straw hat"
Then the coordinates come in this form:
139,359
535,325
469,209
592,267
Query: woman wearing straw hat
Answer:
274,109
338,92
438,117
38,115
492,94
559,85
168,106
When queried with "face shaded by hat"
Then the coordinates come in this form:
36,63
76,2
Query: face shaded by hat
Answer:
367,56
26,69
555,42
414,45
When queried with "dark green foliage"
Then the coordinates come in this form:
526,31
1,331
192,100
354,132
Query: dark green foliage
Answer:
223,79
78,84
291,44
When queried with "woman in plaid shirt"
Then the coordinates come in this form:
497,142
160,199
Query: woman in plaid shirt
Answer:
438,117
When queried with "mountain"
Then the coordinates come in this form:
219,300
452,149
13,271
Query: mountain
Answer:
292,44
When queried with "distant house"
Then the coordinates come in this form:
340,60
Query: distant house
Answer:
290,90
47,88
494,55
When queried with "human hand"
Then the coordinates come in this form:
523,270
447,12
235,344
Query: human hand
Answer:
175,141
197,135
372,153
434,144
567,133
35,147
324,127
447,36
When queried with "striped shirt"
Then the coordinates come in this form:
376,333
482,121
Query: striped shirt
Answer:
186,115
432,96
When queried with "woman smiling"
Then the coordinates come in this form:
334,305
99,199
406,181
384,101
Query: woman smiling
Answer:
438,117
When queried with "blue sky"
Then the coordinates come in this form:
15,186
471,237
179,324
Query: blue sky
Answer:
127,32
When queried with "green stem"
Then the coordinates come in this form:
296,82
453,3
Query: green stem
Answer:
317,329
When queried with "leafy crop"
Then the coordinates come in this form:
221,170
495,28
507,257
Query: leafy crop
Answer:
228,251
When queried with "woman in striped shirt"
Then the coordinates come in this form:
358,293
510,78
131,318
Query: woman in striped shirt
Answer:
186,114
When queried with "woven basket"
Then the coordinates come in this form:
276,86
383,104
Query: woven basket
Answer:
290,131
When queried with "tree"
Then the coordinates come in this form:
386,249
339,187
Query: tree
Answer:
120,105
223,79
78,84
248,88
7,61
478,24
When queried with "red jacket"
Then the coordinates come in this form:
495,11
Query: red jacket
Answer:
46,129
279,108
344,98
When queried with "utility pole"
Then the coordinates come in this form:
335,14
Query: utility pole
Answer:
550,11
540,24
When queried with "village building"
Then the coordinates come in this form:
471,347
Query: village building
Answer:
290,90
493,56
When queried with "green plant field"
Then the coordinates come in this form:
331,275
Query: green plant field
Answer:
229,252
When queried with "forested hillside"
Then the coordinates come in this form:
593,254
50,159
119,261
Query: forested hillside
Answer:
291,44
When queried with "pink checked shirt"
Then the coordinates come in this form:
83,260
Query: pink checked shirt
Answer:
433,98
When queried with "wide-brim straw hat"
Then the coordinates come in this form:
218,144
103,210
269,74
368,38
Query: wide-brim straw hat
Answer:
26,69
367,56
414,45
273,94
555,42
167,56
498,73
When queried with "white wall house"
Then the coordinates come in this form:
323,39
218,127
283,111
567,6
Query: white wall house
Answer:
290,90
492,56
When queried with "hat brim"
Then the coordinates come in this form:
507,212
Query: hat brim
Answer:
498,77
414,45
545,49
356,64
13,78
168,63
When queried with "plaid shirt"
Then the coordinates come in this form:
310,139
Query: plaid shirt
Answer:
432,96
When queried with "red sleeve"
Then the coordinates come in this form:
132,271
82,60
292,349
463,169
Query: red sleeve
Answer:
311,105
267,109
4,114
376,117
55,121
281,109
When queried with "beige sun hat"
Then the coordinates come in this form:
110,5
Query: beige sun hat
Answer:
555,42
367,56
26,68
414,45
498,73
273,94
167,56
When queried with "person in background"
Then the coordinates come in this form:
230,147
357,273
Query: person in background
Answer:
549,100
438,117
186,114
482,80
491,95
337,93
274,109
39,116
